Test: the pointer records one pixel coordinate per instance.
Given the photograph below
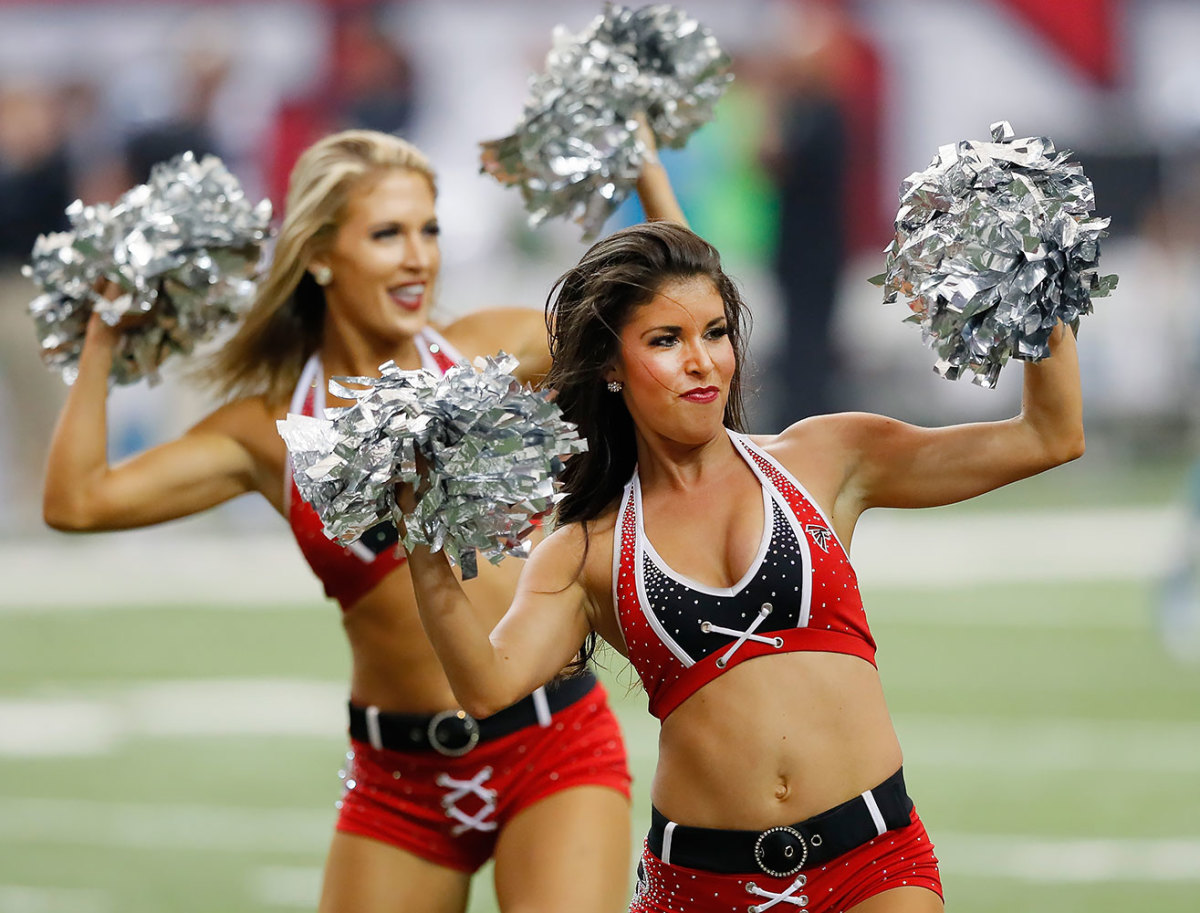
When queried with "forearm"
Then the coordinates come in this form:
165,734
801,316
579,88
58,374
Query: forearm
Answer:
654,184
657,196
78,456
459,637
1052,401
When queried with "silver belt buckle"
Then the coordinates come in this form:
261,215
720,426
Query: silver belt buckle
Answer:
470,728
774,841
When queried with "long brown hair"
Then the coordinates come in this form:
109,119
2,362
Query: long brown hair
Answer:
594,300
283,326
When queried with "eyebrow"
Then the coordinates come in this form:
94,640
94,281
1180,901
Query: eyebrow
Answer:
679,329
399,223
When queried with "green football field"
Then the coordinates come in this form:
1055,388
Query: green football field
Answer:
185,758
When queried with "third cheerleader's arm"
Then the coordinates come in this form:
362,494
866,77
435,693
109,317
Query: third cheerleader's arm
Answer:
654,185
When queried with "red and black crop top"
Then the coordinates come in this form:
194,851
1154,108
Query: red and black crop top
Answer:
799,594
349,572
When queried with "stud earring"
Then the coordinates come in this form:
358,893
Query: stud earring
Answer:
322,275
615,386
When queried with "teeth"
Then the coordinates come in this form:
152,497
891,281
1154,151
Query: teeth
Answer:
408,295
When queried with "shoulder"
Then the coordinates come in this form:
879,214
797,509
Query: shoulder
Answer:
249,422
485,331
834,436
242,413
824,453
520,332
578,552
580,538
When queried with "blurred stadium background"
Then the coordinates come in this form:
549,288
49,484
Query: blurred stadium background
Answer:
171,700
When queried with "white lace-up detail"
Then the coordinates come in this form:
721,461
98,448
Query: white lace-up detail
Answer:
460,789
789,896
742,636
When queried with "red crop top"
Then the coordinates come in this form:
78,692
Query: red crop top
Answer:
799,593
349,572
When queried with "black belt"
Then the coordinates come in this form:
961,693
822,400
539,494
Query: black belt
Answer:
455,732
784,851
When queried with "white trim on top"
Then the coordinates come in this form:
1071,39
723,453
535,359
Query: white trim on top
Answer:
741,445
617,541
764,545
430,337
639,578
310,377
312,380
749,445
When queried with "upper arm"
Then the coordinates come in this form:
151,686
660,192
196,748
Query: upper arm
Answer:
204,467
548,619
894,464
863,461
890,463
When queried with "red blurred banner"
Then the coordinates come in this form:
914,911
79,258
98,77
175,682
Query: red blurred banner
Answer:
1083,31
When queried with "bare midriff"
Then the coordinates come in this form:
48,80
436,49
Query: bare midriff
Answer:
394,666
773,741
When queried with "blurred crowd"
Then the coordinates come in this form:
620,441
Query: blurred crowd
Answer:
795,181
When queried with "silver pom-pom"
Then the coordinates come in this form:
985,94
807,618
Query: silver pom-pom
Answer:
576,152
481,450
994,246
182,248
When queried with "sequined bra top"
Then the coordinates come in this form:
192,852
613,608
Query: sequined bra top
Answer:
799,594
349,572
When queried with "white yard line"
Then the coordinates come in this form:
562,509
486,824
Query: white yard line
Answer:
88,822
69,822
942,549
941,611
59,721
1056,744
158,568
19,898
1044,860
166,567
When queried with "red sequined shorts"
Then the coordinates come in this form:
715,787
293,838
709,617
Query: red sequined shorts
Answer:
450,810
896,858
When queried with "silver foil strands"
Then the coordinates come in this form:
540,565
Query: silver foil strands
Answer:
481,450
994,245
183,248
576,152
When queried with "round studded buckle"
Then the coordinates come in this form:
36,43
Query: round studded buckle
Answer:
453,733
780,851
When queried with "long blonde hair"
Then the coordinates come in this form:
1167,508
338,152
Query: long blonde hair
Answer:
283,326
